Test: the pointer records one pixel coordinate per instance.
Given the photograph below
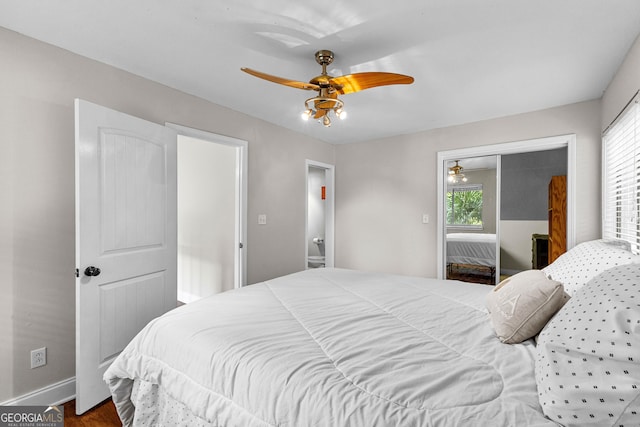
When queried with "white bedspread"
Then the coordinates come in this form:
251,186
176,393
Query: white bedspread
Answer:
331,347
471,248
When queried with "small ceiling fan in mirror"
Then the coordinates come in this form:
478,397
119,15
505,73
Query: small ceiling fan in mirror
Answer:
455,174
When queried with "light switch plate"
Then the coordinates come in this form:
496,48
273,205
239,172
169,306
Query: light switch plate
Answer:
262,219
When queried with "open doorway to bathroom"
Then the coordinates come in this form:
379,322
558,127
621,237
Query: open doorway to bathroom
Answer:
319,215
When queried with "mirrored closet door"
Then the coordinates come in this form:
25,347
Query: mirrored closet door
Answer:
494,215
470,219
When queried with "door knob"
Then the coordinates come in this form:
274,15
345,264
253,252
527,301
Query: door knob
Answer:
91,271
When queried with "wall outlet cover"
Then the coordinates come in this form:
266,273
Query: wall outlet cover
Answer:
38,357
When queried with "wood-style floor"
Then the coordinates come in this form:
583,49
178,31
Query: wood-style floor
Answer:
103,415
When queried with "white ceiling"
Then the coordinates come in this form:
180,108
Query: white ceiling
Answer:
475,163
472,60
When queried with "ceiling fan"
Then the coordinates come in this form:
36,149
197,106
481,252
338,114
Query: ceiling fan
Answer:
455,174
328,87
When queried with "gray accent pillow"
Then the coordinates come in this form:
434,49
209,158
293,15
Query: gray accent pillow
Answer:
521,305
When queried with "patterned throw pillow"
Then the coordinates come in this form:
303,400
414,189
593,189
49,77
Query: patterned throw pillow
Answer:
585,261
588,356
522,304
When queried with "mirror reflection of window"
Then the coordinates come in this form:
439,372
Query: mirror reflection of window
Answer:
464,207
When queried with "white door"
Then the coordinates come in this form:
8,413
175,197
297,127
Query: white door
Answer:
126,228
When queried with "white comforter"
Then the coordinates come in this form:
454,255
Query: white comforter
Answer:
471,248
330,347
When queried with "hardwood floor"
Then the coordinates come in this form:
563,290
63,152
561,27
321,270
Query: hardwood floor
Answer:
103,415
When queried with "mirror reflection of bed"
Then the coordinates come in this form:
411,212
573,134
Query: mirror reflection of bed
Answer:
471,257
471,219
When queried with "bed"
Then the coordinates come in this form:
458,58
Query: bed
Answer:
330,347
472,249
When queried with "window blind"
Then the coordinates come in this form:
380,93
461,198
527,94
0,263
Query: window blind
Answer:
468,187
621,177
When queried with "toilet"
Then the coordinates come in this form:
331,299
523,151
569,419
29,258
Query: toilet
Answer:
315,261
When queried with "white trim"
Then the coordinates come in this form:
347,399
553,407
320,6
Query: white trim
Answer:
53,394
498,218
329,238
242,169
526,146
603,180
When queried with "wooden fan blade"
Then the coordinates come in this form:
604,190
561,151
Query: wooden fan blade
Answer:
282,81
320,113
361,81
326,105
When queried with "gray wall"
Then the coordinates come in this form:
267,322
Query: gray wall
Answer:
384,186
623,86
38,84
525,182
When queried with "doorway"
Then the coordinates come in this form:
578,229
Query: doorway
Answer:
211,213
319,218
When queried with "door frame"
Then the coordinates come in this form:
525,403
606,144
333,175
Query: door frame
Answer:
524,146
329,232
242,154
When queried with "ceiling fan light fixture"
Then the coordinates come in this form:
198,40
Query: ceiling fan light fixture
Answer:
457,178
455,174
306,114
320,106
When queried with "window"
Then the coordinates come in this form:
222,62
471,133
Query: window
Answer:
621,177
464,206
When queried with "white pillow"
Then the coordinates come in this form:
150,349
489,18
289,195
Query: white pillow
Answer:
588,356
585,261
522,304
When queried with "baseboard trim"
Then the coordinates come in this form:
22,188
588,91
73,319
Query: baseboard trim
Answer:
509,272
53,394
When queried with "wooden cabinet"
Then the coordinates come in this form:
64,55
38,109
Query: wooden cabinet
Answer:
539,251
557,217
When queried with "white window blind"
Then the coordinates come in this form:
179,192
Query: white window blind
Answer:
621,177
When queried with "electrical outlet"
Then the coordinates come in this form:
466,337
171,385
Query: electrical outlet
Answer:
38,357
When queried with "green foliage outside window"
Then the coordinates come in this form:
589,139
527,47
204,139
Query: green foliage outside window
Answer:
464,207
